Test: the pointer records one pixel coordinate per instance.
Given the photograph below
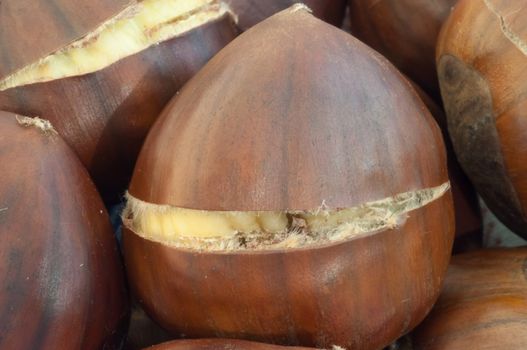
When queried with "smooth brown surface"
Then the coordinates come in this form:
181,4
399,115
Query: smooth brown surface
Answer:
62,280
292,119
405,31
292,114
483,304
217,344
482,83
251,12
106,115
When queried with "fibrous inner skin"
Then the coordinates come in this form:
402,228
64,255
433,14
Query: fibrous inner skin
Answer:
136,28
234,230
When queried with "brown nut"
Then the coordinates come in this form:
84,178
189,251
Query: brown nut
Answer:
101,71
483,304
62,280
215,344
482,84
405,31
294,192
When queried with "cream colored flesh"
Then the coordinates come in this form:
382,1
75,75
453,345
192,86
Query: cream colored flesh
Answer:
229,230
136,28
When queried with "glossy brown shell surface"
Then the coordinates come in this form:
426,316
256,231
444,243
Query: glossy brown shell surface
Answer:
293,114
483,304
62,280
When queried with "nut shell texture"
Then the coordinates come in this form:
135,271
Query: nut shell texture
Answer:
104,116
483,88
62,280
293,114
483,304
215,344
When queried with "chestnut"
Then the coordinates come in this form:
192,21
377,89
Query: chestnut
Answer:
102,71
483,89
231,344
483,304
405,31
62,279
251,12
294,192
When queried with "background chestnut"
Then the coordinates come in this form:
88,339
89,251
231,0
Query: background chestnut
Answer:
294,122
215,344
62,280
251,12
483,88
483,304
405,31
103,108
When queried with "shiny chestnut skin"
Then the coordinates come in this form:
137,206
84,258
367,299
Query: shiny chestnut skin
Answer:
215,344
251,12
285,119
405,31
483,89
104,116
62,280
483,304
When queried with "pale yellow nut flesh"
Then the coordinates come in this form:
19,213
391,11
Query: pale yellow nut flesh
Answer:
135,29
234,230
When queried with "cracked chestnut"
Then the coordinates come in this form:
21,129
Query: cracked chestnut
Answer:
62,280
101,71
295,192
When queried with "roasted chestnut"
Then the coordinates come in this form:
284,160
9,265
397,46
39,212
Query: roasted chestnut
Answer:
102,71
483,304
62,280
294,192
405,31
251,12
483,88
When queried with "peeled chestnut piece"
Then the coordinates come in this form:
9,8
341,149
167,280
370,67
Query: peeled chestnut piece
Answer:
483,88
215,344
251,12
483,304
101,71
295,192
62,280
405,31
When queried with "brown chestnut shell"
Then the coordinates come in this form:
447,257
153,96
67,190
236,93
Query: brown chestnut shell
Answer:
215,344
483,89
105,115
483,304
62,280
292,115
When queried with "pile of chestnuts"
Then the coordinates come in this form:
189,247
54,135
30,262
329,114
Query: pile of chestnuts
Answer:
262,175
